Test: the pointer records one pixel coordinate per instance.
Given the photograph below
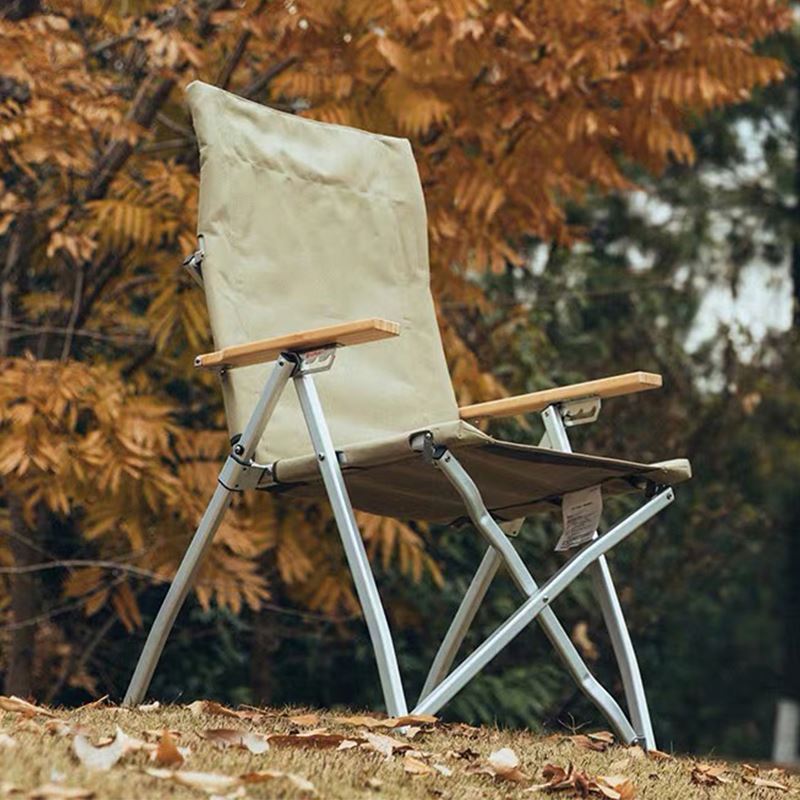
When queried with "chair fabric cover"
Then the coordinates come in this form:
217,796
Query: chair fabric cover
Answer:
307,224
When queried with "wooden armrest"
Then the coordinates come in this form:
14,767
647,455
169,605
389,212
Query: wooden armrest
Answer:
243,355
629,383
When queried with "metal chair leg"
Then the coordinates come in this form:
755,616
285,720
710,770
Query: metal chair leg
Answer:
363,578
235,465
176,596
621,643
552,628
606,594
541,600
451,643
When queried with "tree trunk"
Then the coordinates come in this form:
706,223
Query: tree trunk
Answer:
25,606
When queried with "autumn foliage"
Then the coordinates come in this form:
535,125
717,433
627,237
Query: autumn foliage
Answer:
109,440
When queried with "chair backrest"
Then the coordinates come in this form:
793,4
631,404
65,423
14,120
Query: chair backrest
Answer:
307,224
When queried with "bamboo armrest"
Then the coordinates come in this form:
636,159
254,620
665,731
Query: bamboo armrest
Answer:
629,383
345,333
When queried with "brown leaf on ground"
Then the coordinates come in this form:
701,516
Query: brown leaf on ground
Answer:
466,753
305,720
348,744
505,764
765,783
94,704
17,705
223,738
415,766
388,722
313,739
614,787
598,742
210,782
214,709
709,774
611,787
462,729
300,783
166,753
100,759
385,745
659,755
55,791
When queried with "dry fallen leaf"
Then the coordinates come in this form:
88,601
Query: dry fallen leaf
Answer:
611,787
305,720
93,704
614,787
599,741
658,755
466,753
154,706
212,708
55,791
556,778
619,765
166,753
17,705
765,783
210,782
312,739
100,759
348,744
505,765
388,722
385,745
709,775
301,784
374,783
414,766
222,738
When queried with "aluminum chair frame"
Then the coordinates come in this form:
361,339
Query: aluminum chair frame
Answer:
241,472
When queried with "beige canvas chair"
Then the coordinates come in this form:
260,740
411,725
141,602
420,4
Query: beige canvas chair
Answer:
313,246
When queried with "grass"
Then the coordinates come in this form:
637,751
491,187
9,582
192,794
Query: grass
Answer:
38,756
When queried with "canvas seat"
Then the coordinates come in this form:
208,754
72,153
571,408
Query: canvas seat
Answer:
313,257
514,479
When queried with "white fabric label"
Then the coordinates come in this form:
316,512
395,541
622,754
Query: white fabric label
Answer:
581,515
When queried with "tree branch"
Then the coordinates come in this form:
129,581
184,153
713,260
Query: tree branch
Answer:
258,84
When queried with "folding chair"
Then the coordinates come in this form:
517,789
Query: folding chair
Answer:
321,229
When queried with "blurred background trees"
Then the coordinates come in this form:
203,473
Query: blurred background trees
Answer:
610,186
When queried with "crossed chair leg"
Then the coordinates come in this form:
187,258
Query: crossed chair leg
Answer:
240,471
501,551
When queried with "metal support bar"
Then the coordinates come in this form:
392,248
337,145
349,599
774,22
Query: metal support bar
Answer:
363,578
534,606
209,523
451,643
552,628
606,594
